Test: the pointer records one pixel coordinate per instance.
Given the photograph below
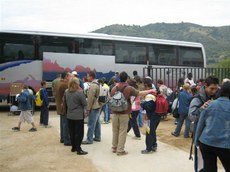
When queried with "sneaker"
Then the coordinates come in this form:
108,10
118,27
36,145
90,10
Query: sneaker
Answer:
137,138
32,129
114,149
47,126
174,134
86,142
146,151
154,149
16,128
122,153
97,140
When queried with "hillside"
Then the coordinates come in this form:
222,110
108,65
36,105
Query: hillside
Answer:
216,40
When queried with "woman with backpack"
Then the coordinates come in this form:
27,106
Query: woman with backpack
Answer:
184,99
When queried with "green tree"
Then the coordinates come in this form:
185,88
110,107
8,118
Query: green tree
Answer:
225,63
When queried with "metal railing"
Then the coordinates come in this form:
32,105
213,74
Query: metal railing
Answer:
170,76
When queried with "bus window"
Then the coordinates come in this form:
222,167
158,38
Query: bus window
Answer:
165,55
191,57
89,46
152,56
99,47
56,45
132,53
14,51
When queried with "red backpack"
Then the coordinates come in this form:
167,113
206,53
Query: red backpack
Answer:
161,105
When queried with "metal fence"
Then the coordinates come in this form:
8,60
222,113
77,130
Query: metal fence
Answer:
170,76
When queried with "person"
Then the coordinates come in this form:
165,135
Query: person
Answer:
61,86
198,104
213,131
77,76
75,102
153,121
184,101
140,86
164,92
25,105
54,84
135,73
189,79
44,115
120,119
93,109
105,106
135,107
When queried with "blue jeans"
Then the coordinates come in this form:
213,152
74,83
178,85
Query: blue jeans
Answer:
44,115
94,125
180,123
140,118
151,138
64,130
105,109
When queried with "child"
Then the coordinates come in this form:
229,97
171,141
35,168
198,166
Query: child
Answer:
153,119
44,116
25,105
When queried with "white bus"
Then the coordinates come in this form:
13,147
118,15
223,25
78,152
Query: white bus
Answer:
29,57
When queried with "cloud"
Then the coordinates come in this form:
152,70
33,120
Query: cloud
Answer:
84,16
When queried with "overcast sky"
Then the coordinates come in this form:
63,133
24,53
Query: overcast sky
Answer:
81,16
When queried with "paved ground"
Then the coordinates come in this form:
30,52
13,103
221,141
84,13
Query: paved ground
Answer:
41,151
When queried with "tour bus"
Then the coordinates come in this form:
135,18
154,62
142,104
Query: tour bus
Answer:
29,56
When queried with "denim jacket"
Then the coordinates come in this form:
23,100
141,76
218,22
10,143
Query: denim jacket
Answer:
25,100
184,101
213,128
44,97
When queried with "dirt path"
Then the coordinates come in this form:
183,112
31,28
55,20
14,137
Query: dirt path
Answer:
39,151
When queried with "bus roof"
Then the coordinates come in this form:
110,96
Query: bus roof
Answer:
106,37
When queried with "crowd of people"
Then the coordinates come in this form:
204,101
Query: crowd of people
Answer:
203,105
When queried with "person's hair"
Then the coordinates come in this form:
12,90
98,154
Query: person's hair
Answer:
64,74
134,73
92,74
133,83
138,79
25,86
100,81
148,82
186,87
211,80
180,82
74,84
159,81
123,76
85,79
225,89
43,83
189,75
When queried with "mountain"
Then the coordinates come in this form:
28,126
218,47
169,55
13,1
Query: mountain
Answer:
216,40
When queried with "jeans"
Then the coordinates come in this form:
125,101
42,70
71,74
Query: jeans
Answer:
64,130
76,132
180,123
151,138
140,118
210,155
44,115
105,109
133,123
94,125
